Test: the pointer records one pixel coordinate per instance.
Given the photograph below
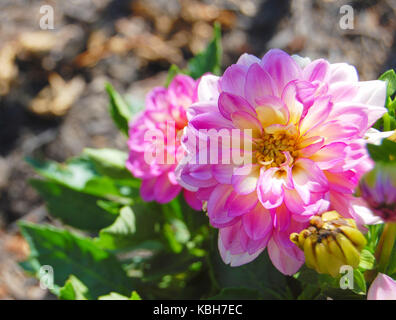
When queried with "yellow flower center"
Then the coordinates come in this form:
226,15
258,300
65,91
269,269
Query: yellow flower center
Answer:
271,148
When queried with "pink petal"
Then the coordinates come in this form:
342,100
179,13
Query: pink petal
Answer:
352,207
316,115
343,91
330,155
282,218
230,103
344,182
236,260
371,93
157,99
308,178
208,88
281,67
251,246
334,130
192,177
316,70
247,60
342,72
312,148
382,288
233,80
289,97
238,204
217,211
306,93
192,200
271,110
282,260
258,84
270,188
258,222
223,173
243,120
147,189
230,238
352,114
201,108
181,90
244,179
164,190
210,120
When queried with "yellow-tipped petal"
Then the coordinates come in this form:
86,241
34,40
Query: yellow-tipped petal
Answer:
355,236
322,258
309,254
352,255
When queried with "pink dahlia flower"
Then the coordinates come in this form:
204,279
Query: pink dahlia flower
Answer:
305,142
154,141
382,288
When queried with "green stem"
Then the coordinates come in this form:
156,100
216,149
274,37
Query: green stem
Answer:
387,124
385,246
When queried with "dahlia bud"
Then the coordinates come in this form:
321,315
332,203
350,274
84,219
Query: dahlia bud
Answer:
330,242
378,189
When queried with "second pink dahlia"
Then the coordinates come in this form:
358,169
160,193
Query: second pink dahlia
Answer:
154,141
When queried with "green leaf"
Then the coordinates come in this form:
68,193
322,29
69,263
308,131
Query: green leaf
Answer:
310,292
69,254
110,206
388,120
109,162
359,283
390,77
74,208
135,296
75,173
210,59
119,110
74,289
237,294
174,228
259,274
135,226
385,152
83,174
391,269
117,296
367,260
323,286
373,235
113,296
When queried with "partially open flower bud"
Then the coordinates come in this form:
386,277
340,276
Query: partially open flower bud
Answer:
378,189
330,242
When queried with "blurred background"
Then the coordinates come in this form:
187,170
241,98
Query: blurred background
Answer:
52,98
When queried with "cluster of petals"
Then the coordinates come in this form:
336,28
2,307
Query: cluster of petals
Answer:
306,126
154,161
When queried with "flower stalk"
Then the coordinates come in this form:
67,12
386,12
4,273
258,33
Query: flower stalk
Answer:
385,246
